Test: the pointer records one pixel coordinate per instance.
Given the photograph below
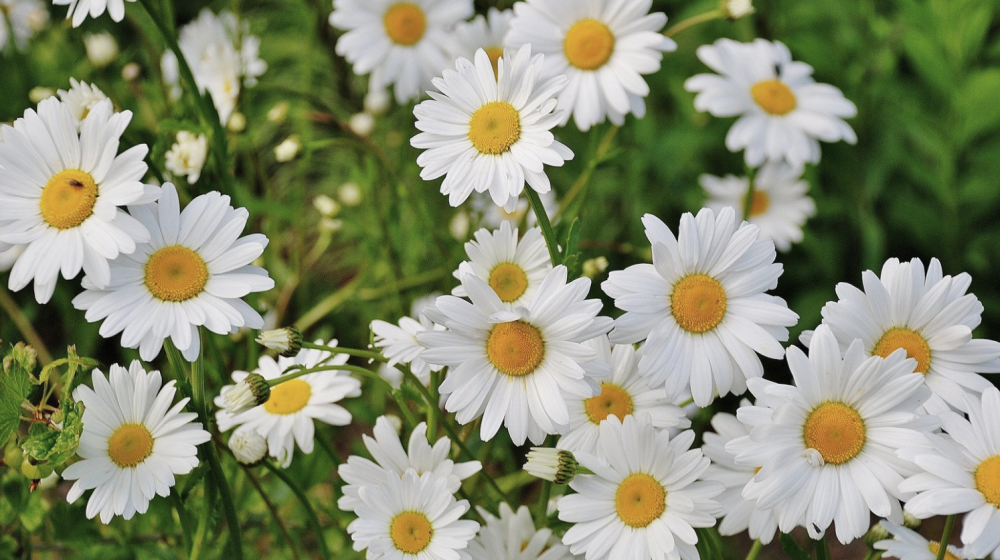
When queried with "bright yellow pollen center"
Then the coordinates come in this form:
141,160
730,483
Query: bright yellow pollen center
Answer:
915,345
759,203
934,547
288,397
130,445
988,480
68,199
515,348
494,53
176,273
589,44
835,430
613,401
774,97
698,303
411,532
495,127
405,23
640,500
509,281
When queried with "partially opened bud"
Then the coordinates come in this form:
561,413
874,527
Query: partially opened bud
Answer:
287,341
251,392
555,465
248,447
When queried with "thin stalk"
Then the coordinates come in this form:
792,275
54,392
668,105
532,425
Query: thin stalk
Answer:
542,513
822,551
299,373
175,499
751,189
273,510
693,21
304,500
755,550
432,411
584,179
206,513
949,525
545,224
349,351
22,323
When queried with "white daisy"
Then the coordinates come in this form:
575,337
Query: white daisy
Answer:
624,394
907,544
485,133
399,343
401,43
287,416
133,443
192,273
483,32
783,111
81,98
22,18
187,156
513,268
60,190
518,367
826,446
389,456
603,46
79,9
701,305
925,313
513,536
779,206
644,499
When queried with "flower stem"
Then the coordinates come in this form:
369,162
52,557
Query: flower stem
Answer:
822,551
949,525
584,179
693,21
378,357
22,323
545,224
304,500
755,550
543,503
751,189
306,371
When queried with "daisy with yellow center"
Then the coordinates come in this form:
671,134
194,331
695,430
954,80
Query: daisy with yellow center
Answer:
513,535
631,506
518,367
783,113
399,343
485,33
907,544
134,441
81,98
513,268
826,447
286,419
701,306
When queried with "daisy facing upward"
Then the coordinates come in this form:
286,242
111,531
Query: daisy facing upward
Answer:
513,268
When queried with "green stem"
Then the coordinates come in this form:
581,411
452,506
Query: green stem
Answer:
378,357
693,21
206,513
949,525
175,499
584,179
545,224
432,411
22,323
304,500
755,550
822,551
299,373
273,510
751,189
543,503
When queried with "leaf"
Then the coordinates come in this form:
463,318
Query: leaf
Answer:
792,548
15,384
54,446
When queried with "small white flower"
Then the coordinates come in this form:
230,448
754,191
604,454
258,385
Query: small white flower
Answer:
187,155
248,446
735,9
102,48
514,537
361,124
288,149
81,98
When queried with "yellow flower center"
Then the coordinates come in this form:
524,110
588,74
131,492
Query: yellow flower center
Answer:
835,430
411,532
495,127
915,345
758,204
698,303
588,44
405,23
640,500
515,348
68,199
494,53
934,547
988,480
288,397
613,401
176,273
509,281
774,97
130,445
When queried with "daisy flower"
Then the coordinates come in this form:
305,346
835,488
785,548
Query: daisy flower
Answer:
907,544
192,273
399,342
22,17
81,98
187,156
489,133
701,306
783,113
389,456
513,536
287,416
779,206
60,191
134,442
925,313
624,394
402,44
644,499
413,516
79,9
485,33
826,446
518,367
603,46
513,268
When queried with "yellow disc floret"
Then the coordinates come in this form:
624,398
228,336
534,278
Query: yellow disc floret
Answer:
640,500
589,44
509,281
411,532
613,401
68,199
515,348
175,273
988,480
494,128
495,53
915,345
759,203
405,23
698,303
836,430
130,445
774,97
935,547
288,397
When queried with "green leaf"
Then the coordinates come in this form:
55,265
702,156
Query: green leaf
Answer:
15,383
792,548
53,446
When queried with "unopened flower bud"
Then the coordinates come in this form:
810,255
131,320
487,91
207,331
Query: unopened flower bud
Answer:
237,123
361,124
326,205
555,465
594,267
377,101
735,9
251,392
131,72
876,533
40,93
248,447
278,113
101,48
349,194
287,150
287,341
909,521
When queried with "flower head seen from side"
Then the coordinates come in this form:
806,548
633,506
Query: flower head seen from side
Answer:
286,418
81,98
513,536
20,20
193,272
644,499
926,313
187,156
486,132
603,46
701,306
783,113
79,9
513,267
484,32
60,192
400,43
135,441
907,544
518,367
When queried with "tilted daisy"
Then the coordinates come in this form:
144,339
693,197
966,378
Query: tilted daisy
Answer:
20,20
644,499
192,273
623,394
399,342
603,46
826,447
483,32
701,306
518,367
513,268
402,44
81,98
134,442
779,206
783,113
907,544
60,190
925,313
489,133
79,9
389,456
287,416
513,536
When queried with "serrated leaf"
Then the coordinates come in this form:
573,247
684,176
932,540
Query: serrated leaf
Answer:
53,446
572,242
15,384
792,548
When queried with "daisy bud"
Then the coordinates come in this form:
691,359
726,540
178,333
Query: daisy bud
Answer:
594,267
377,101
735,9
287,341
909,521
554,465
248,447
287,150
361,124
39,94
237,123
101,48
278,113
876,533
246,394
349,194
326,205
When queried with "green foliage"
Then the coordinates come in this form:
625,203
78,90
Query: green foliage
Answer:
15,383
